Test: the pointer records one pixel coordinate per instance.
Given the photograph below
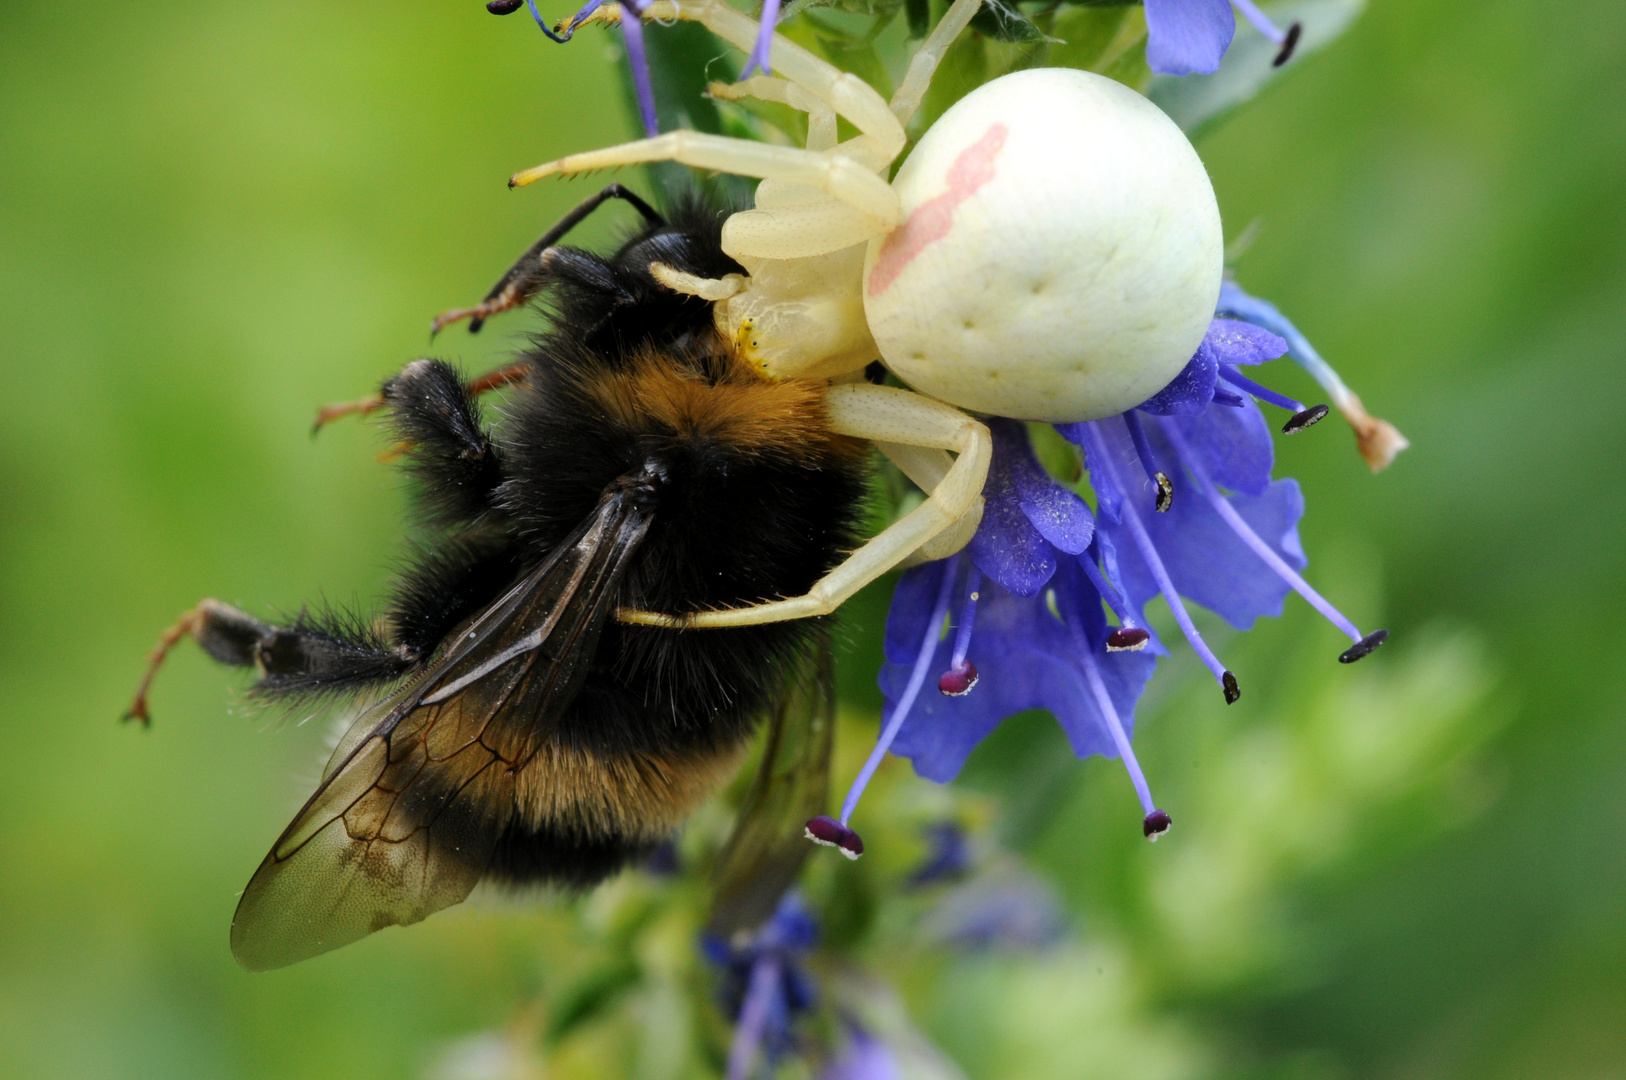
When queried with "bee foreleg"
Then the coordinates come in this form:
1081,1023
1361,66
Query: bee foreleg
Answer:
437,419
542,263
317,653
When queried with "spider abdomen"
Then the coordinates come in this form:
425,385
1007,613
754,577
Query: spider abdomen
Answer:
1060,254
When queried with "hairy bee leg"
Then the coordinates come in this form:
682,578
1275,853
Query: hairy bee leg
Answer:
531,276
882,414
484,384
290,659
518,371
186,624
529,273
437,419
906,101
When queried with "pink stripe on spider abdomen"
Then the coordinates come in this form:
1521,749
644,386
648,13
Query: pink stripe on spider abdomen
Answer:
932,219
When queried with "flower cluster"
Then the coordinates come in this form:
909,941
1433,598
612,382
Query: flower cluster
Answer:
762,984
1185,508
1183,37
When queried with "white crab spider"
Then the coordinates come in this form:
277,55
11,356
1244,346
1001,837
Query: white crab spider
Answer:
1050,251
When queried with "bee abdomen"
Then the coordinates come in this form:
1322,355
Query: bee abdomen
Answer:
584,814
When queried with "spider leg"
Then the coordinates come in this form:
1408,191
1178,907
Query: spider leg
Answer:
532,270
850,96
839,176
795,222
315,654
883,414
924,64
927,467
821,118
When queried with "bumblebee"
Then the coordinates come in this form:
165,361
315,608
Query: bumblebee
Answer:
511,728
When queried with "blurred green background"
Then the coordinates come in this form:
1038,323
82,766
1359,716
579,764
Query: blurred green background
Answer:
214,217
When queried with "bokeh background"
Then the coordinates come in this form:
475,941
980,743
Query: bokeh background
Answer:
214,217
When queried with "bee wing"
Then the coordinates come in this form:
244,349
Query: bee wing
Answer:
765,852
412,802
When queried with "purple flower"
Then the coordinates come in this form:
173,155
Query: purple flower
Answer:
1185,508
632,33
865,1058
1187,37
762,986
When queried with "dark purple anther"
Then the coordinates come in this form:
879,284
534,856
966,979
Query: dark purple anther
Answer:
1128,639
1232,691
828,831
1289,43
1364,646
1156,824
1308,418
958,681
504,7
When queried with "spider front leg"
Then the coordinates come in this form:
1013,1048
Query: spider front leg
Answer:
850,96
923,65
889,415
839,176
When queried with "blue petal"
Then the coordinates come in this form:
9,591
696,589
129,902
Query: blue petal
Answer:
866,1058
1026,660
1237,342
913,599
1210,565
1108,496
1191,390
1006,546
1060,516
1232,445
1008,911
1186,37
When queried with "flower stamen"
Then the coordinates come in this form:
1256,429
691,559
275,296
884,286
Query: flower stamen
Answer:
759,55
1143,450
1115,727
1160,574
962,675
1245,533
1130,637
917,678
1303,415
1288,39
1377,440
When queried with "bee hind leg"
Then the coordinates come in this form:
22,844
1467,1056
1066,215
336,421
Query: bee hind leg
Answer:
322,652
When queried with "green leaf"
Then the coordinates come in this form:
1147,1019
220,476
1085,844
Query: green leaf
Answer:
683,58
1086,35
1195,102
999,19
920,17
